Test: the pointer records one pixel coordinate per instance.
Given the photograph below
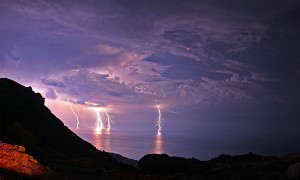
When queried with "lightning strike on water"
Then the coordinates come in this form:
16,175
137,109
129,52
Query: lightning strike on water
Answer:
102,117
77,119
159,120
108,119
99,121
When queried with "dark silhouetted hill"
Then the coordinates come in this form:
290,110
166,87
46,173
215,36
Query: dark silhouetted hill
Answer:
125,160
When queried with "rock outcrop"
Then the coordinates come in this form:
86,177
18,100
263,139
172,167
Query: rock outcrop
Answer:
164,164
224,167
293,162
14,160
291,158
293,171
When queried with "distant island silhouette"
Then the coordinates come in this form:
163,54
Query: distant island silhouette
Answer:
36,144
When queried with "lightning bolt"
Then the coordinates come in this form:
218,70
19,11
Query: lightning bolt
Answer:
159,120
99,121
108,119
141,88
102,117
77,119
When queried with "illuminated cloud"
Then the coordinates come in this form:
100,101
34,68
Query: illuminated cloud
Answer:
103,49
51,94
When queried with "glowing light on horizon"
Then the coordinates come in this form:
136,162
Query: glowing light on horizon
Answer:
77,119
159,120
102,117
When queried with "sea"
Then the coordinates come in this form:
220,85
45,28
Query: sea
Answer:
136,144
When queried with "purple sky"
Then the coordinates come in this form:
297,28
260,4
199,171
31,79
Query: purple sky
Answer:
225,71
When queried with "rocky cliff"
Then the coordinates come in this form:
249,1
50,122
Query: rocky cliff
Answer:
15,161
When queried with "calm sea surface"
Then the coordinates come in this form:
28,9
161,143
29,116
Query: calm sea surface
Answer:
136,144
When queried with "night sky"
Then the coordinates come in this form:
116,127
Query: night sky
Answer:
227,72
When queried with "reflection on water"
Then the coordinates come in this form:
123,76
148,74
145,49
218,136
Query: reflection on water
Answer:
158,144
132,144
101,140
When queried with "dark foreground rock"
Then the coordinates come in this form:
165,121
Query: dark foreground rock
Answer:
293,171
246,167
164,164
15,161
